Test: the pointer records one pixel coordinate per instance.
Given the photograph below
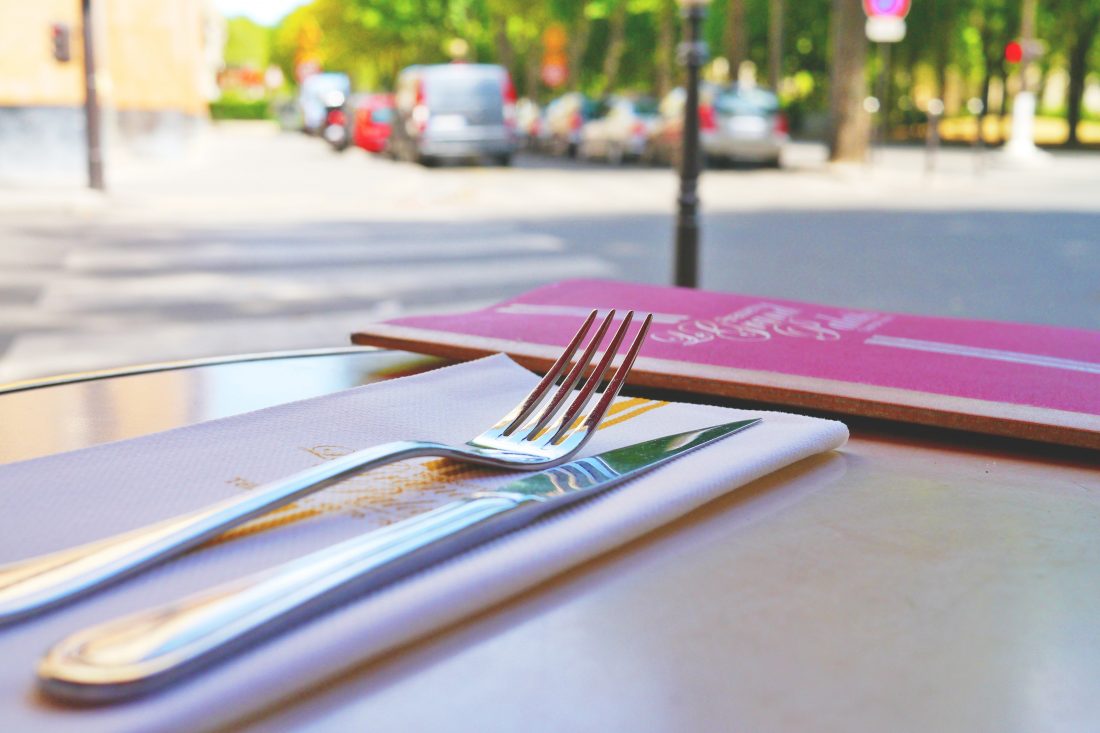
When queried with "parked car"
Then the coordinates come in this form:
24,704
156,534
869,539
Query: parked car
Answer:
528,123
563,121
619,129
370,121
454,111
737,124
538,136
318,95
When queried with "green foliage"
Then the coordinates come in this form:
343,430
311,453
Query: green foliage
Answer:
247,44
231,108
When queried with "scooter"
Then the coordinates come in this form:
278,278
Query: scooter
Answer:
335,130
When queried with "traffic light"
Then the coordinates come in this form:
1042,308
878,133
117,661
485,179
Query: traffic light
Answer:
59,32
1024,50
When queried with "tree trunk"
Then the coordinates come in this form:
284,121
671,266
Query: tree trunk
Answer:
616,45
506,55
531,74
737,36
993,62
850,126
775,43
987,80
942,49
1002,108
578,44
1078,71
666,46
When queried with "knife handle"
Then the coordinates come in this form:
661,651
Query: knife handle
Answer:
37,583
137,653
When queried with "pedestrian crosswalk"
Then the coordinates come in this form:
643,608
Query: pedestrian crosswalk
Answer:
228,253
114,296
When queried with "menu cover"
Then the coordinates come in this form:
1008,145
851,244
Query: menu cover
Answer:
1027,381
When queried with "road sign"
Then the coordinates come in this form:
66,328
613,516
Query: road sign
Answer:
554,74
59,34
555,66
885,28
886,8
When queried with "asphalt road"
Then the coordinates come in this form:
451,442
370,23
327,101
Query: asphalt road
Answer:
264,240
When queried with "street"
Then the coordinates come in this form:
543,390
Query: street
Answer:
264,240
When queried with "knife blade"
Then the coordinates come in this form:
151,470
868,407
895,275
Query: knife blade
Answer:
141,652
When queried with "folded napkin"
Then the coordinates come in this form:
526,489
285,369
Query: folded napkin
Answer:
55,502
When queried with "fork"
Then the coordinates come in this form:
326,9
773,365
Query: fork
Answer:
521,440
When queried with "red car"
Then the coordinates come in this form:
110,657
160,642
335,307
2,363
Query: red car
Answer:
371,120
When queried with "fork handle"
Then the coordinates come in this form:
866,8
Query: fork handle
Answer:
141,652
40,582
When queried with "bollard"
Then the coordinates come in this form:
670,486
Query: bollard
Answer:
932,138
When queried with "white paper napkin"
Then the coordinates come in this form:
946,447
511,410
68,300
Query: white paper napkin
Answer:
58,501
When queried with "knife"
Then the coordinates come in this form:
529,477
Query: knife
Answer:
139,653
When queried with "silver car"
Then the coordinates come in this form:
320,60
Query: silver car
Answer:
737,124
619,130
454,111
563,120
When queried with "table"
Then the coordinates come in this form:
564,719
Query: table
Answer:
908,582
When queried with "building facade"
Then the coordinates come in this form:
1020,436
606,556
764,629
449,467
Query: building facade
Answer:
154,75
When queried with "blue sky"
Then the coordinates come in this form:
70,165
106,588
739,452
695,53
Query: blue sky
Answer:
267,12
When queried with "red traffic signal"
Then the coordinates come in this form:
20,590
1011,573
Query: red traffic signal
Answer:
1014,52
886,8
59,34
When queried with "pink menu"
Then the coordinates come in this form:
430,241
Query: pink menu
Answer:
1035,382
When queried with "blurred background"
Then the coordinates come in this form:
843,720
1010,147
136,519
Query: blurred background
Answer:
229,176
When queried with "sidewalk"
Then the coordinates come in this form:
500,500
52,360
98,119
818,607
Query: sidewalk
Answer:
64,198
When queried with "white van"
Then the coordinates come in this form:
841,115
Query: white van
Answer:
454,111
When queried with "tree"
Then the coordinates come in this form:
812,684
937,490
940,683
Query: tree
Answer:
1084,36
247,44
1075,25
775,42
849,127
616,43
517,27
736,36
570,15
997,22
665,56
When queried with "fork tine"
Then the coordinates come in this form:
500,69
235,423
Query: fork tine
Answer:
593,382
617,380
571,380
516,418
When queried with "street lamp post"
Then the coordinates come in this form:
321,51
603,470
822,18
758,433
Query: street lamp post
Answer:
91,102
693,52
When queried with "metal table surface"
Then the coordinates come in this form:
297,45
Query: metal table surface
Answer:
907,582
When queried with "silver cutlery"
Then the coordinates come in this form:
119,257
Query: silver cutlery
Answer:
141,652
521,440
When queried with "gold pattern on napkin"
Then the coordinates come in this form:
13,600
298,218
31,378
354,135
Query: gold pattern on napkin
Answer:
398,491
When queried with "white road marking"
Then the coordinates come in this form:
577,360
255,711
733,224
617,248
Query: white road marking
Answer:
260,290
571,311
258,253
